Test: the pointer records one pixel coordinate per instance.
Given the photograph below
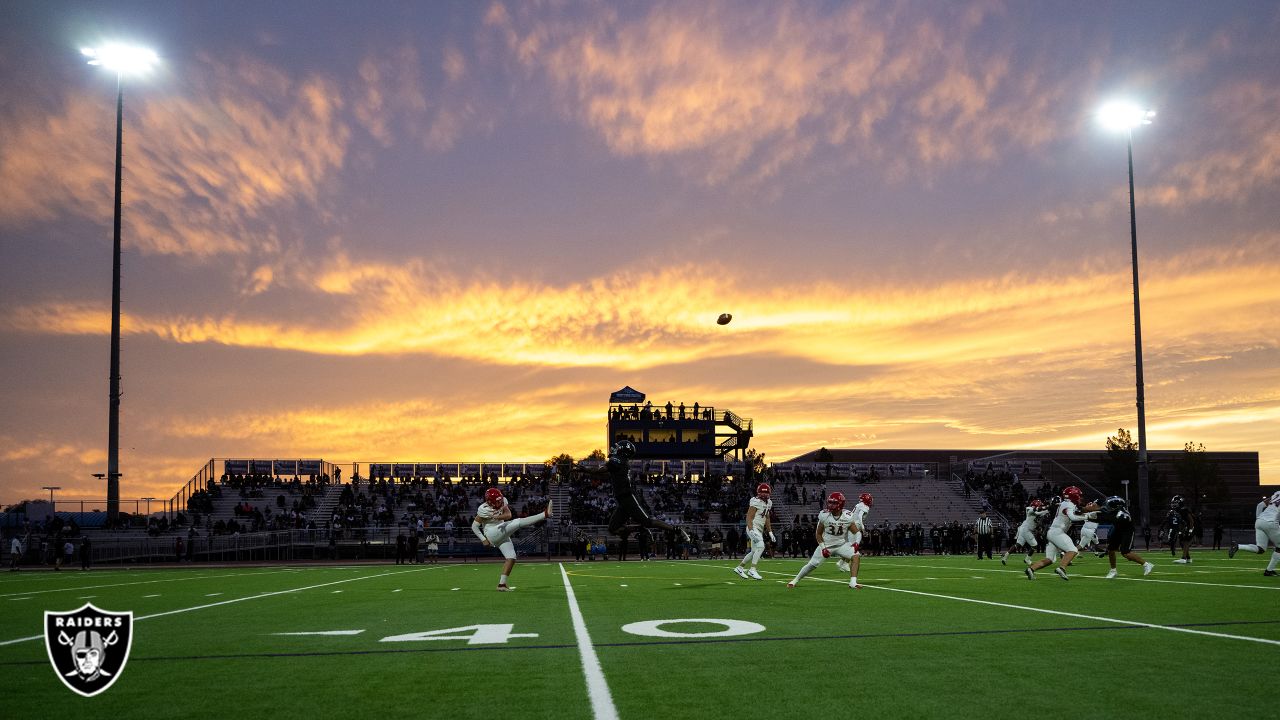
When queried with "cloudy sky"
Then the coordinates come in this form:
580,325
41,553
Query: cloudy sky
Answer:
446,231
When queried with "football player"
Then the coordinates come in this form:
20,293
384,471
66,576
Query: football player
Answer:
833,536
1026,535
1058,540
860,512
1089,530
494,526
758,524
1266,529
1116,512
1182,526
628,511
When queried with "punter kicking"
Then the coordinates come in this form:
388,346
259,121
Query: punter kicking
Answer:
1026,535
832,533
494,526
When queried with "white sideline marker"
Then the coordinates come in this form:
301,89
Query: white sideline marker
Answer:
602,707
323,632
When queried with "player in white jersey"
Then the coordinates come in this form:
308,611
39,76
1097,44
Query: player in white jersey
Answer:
1089,531
1266,529
860,512
758,523
494,526
1058,541
1026,534
833,533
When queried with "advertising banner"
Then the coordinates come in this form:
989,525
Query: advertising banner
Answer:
236,467
285,467
309,467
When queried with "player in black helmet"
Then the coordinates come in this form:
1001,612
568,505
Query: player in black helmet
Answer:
1116,512
1182,526
629,512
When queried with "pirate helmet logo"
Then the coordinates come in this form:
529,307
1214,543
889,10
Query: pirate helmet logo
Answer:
88,647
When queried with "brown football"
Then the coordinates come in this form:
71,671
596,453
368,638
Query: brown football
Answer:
724,319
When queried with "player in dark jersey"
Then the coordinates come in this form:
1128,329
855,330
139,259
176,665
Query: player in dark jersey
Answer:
1182,527
1116,512
629,511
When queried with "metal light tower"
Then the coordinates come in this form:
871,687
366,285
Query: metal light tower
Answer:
123,60
1125,116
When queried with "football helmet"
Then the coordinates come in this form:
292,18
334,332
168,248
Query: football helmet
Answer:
493,497
763,490
1114,504
1275,498
1073,493
1035,503
835,502
622,451
865,499
1176,502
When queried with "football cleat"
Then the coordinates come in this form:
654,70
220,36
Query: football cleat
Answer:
854,587
1031,574
1111,573
1004,559
844,566
1235,548
503,588
1268,573
1147,568
753,574
790,585
741,573
1182,561
1061,573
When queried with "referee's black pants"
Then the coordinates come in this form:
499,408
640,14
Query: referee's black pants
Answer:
984,546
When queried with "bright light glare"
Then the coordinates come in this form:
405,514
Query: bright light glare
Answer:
1122,115
123,59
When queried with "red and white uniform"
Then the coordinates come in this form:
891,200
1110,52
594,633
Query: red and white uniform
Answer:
835,536
499,532
1059,539
1267,525
1026,536
755,530
860,512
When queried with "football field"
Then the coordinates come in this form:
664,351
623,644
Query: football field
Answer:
925,637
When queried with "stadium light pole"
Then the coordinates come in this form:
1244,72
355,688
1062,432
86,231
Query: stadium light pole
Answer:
1122,116
51,488
123,60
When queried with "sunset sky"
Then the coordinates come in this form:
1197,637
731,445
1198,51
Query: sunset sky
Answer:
446,231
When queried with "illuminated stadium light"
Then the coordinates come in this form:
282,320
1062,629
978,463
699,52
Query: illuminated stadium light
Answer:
123,59
1124,115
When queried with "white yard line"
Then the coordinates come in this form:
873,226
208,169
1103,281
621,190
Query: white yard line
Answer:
140,582
602,707
1099,618
1075,575
236,600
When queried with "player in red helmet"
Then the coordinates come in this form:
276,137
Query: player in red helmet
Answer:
1057,541
860,512
865,499
494,526
1026,534
758,523
835,525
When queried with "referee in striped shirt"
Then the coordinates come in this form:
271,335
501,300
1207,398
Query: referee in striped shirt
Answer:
984,535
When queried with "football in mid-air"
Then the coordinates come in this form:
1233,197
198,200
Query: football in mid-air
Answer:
724,319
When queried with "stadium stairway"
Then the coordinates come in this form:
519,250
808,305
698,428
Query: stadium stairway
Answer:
908,500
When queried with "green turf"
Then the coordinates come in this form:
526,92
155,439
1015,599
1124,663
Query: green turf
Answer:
825,648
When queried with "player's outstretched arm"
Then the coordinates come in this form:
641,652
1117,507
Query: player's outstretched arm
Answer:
475,528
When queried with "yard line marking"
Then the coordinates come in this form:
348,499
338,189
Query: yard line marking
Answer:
323,632
241,599
602,707
86,597
1099,618
1096,577
150,596
396,590
212,594
140,582
21,598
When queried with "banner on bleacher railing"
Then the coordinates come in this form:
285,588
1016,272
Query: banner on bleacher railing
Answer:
379,471
402,470
235,467
284,467
260,467
309,467
694,467
424,470
591,464
469,469
737,469
449,470
841,470
716,467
